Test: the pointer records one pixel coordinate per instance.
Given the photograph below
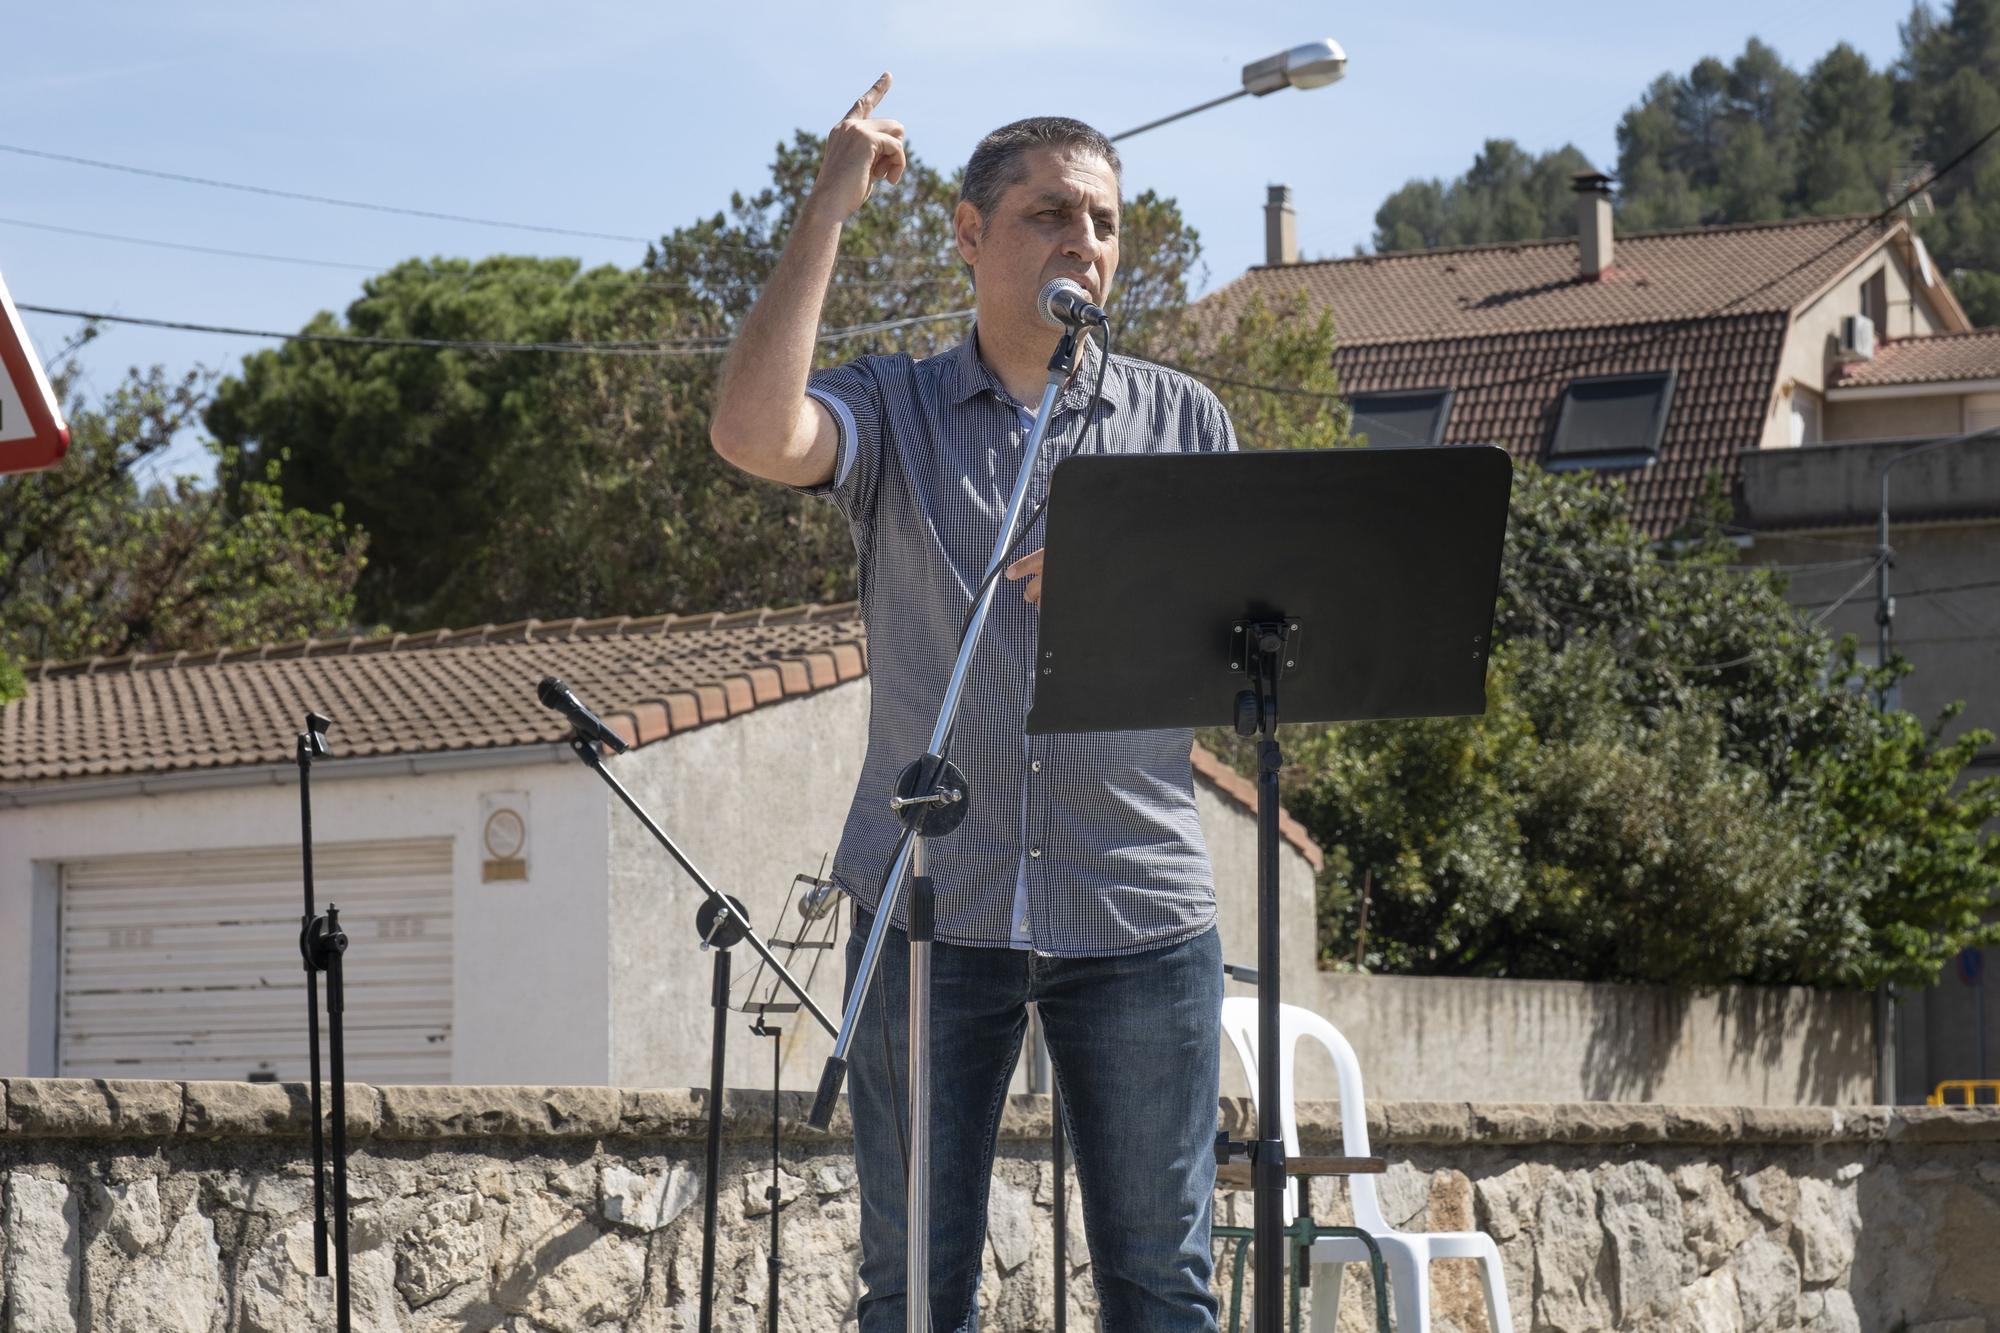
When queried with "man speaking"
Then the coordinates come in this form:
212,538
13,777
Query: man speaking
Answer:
1079,881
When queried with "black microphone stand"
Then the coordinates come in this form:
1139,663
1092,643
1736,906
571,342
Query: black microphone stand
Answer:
720,922
321,944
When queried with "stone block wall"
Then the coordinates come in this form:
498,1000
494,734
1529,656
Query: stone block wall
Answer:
143,1207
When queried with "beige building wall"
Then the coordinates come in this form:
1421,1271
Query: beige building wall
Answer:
1809,356
1925,416
810,751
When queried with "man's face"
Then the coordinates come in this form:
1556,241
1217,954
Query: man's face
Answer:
1060,220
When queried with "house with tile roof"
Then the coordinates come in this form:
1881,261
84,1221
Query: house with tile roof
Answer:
1793,360
511,921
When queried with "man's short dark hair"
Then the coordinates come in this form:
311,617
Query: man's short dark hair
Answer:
996,163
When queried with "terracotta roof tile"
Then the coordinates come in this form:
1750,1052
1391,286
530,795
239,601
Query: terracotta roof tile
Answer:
1480,291
1509,388
439,691
413,693
1936,359
1508,327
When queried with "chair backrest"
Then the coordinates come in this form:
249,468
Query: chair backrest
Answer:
1239,1023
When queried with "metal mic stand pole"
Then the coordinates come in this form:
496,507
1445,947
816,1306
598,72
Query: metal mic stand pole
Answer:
321,944
931,799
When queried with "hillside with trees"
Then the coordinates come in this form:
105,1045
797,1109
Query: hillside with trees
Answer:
1753,140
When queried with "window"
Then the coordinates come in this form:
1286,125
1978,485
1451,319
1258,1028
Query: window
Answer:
1805,416
1612,421
1402,416
1875,299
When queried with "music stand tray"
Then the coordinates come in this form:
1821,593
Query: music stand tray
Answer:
1337,585
1389,559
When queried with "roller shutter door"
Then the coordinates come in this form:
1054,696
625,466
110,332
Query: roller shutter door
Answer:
186,965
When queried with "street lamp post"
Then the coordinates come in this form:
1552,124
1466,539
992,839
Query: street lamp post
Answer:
1885,615
1314,65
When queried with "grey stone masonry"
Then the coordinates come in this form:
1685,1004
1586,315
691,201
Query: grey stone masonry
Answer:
145,1207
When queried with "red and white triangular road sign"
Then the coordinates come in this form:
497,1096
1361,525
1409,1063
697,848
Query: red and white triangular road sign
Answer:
32,432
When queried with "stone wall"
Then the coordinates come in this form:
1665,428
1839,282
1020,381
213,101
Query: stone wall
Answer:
186,1208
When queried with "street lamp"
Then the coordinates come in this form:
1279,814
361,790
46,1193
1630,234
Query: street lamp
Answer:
1314,65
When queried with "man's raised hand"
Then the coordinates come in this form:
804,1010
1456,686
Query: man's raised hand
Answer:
860,151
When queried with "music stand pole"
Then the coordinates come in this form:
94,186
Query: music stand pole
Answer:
1267,1159
321,944
931,799
312,742
720,927
776,1193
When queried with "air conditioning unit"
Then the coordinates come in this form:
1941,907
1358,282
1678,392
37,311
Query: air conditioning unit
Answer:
1857,338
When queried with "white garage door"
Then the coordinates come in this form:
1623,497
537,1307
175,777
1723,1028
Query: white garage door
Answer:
186,965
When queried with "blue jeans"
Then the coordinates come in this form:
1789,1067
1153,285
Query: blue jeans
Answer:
1135,1042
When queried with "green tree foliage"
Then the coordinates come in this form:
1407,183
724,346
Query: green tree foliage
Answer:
1675,781
1508,195
426,448
496,487
1751,140
94,559
1289,346
1948,94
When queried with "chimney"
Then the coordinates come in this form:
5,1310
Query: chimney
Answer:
1281,227
1593,223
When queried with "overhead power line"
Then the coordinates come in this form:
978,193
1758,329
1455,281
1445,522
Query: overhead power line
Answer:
399,210
188,246
328,200
621,277
637,347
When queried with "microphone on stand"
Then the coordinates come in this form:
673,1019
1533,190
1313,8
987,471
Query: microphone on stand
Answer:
554,694
1065,304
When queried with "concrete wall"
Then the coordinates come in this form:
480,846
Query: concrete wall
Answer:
1466,1039
530,989
810,750
1951,639
186,1208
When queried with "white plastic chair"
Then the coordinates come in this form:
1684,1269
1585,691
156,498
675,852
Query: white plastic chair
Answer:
1407,1254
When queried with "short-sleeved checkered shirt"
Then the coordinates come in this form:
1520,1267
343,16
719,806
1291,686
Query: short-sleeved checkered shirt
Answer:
1076,845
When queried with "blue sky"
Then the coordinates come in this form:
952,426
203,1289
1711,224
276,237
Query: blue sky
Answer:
634,119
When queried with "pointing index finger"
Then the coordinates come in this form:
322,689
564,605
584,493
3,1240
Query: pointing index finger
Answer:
864,105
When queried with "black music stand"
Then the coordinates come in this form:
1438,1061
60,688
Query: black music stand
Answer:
1200,590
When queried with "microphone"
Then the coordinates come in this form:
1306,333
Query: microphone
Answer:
1065,304
554,694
